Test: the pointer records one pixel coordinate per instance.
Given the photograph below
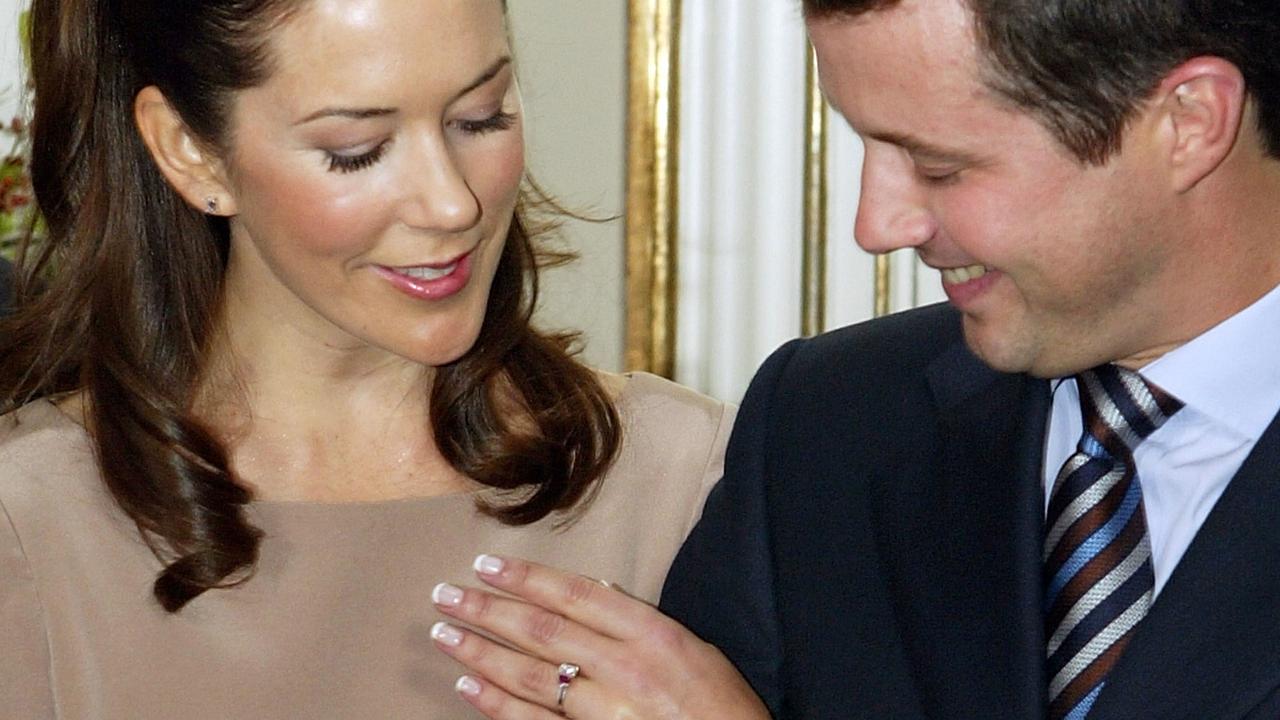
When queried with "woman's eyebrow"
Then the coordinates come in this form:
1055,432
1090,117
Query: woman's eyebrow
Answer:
365,113
352,113
486,76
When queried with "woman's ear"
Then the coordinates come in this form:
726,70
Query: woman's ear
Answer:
197,175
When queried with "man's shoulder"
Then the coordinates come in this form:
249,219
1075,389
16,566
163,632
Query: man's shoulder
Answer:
911,338
872,377
888,350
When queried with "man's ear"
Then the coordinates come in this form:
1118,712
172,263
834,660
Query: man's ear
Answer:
1203,105
197,175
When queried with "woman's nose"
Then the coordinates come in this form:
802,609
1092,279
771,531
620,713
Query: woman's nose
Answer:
439,197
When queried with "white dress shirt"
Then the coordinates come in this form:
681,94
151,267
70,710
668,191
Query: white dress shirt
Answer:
1229,382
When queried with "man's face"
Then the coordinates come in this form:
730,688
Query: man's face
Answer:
1056,266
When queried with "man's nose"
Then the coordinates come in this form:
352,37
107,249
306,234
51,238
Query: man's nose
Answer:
892,213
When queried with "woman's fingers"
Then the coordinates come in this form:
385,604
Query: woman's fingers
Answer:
508,684
539,632
589,602
635,662
497,703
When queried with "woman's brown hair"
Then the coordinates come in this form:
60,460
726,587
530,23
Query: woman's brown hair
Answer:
119,300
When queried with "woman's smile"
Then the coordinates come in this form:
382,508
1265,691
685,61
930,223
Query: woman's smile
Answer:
430,281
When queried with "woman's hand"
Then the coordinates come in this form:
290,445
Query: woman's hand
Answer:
635,663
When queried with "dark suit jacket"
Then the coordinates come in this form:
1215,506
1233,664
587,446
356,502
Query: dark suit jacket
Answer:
873,550
6,286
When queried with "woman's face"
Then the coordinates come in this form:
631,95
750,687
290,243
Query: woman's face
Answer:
374,175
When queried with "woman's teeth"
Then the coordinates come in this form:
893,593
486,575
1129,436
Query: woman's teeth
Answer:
428,273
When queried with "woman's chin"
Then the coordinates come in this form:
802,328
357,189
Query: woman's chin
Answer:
437,351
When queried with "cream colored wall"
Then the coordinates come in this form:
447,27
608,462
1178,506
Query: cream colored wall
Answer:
571,57
572,63
10,59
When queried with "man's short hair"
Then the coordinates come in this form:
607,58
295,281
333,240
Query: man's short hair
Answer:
1084,67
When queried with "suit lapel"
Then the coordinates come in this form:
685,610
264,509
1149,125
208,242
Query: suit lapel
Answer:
971,567
1210,646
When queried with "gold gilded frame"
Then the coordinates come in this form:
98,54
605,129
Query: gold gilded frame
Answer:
652,192
884,285
813,281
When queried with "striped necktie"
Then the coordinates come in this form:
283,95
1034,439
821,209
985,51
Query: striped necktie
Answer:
1097,555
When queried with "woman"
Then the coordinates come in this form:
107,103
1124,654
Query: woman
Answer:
279,377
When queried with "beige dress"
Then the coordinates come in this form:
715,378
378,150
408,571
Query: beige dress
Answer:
335,622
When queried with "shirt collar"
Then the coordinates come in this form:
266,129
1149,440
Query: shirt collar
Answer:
1231,373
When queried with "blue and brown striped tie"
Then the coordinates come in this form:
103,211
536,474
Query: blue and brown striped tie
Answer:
1097,555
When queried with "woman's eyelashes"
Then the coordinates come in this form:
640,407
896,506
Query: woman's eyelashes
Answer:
500,120
345,163
351,163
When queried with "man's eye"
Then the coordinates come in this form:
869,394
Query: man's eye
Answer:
939,177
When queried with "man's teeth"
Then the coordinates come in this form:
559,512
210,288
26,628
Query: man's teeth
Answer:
955,276
427,273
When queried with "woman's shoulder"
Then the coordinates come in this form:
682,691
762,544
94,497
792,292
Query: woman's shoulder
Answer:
673,450
670,429
42,452
647,398
37,427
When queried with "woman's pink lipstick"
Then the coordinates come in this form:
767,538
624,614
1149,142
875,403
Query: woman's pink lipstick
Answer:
430,282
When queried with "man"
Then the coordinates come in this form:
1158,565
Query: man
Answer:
905,529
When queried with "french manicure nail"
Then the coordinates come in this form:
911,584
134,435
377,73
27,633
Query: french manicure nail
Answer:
467,685
447,595
489,565
447,634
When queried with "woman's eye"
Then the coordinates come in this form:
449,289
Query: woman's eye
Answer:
500,120
352,163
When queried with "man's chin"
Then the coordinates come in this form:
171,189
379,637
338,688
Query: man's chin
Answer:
1000,349
1027,358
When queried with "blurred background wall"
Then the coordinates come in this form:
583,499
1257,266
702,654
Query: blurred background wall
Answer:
572,64
10,58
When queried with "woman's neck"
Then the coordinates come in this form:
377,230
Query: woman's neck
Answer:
309,418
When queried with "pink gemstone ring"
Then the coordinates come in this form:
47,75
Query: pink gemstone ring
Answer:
568,671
